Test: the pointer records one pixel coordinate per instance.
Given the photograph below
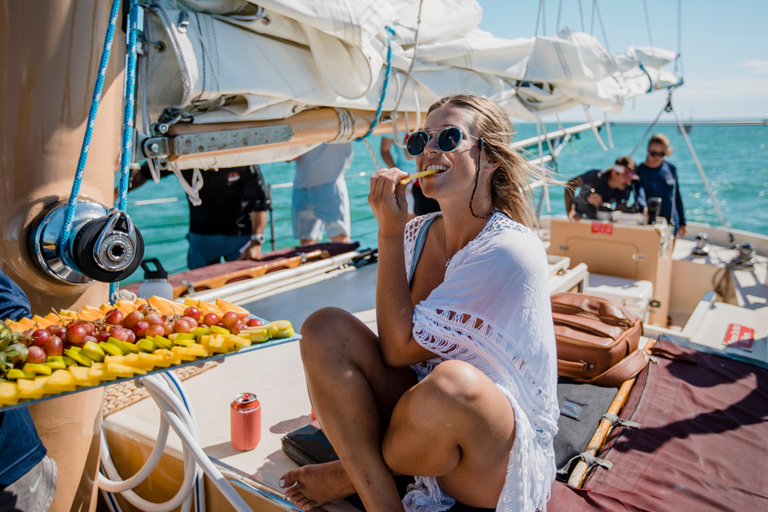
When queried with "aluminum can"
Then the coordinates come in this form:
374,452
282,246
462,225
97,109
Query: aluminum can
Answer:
245,421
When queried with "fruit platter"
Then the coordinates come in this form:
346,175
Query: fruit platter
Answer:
70,351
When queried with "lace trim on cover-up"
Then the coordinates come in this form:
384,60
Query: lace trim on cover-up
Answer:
512,343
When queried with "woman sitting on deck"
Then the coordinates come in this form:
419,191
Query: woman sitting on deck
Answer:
459,386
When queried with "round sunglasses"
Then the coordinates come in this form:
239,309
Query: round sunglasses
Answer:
448,139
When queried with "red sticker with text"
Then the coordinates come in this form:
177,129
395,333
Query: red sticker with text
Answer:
601,228
739,336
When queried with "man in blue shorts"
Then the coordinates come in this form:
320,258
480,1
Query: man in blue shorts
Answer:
320,197
27,474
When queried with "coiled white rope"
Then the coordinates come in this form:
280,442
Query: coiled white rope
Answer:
168,394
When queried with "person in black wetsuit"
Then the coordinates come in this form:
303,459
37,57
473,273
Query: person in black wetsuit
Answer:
612,185
27,474
230,221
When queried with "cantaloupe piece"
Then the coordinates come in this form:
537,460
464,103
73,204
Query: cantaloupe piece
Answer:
228,306
207,307
41,322
165,306
28,323
126,306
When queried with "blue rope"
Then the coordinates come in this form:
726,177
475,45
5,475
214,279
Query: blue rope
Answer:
130,96
69,219
650,80
384,87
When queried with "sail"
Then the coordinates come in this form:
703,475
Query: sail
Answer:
232,60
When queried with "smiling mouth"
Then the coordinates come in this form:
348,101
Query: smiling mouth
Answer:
436,169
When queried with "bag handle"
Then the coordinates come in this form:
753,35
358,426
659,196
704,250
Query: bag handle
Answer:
621,371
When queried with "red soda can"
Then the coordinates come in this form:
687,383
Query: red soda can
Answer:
245,421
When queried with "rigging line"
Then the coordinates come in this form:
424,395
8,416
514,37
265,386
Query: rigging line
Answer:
608,130
710,192
602,27
66,231
581,16
413,60
640,142
648,22
559,12
538,17
545,190
592,21
594,129
679,56
388,31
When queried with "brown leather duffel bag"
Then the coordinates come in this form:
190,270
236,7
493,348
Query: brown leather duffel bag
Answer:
597,340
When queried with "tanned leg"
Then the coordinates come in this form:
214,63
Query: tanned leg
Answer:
455,425
353,393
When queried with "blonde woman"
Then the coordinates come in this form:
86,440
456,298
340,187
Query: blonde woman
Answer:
458,388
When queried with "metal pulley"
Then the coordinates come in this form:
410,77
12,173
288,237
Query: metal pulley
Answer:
104,245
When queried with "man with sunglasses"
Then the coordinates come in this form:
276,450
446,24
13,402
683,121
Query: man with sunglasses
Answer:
658,178
612,185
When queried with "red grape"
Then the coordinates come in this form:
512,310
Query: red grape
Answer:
167,328
156,330
28,333
235,329
89,328
76,334
211,319
153,318
90,338
141,328
39,337
115,317
36,355
131,336
182,325
57,330
254,322
132,319
103,335
230,319
53,346
120,333
192,322
193,312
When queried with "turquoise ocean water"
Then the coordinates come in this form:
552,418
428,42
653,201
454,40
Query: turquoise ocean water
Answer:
734,158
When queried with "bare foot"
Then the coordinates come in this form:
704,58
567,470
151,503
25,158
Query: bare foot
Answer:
317,484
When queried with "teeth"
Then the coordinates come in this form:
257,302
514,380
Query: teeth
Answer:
436,167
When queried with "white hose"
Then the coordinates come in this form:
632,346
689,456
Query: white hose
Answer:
167,392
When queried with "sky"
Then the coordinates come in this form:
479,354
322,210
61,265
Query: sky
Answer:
724,48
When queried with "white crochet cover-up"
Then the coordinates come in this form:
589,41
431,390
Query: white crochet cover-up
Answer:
493,311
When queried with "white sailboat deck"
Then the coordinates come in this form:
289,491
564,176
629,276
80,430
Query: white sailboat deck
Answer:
276,376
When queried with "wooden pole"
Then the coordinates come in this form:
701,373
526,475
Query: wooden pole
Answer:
49,54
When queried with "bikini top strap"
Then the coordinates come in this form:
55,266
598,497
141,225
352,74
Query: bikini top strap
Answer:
421,239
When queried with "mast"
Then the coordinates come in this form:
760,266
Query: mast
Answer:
49,54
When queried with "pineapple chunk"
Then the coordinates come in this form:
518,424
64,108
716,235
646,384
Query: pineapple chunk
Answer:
238,340
60,381
99,371
118,371
9,393
166,358
81,376
32,389
194,349
217,343
138,361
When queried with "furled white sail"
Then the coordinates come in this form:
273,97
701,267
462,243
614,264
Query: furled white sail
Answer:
232,60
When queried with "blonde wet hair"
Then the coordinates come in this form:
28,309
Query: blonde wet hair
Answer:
510,192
